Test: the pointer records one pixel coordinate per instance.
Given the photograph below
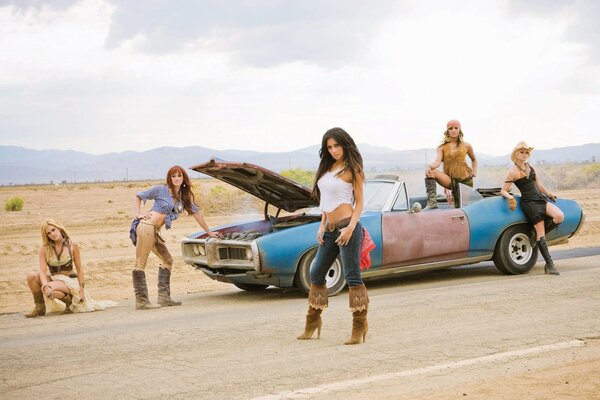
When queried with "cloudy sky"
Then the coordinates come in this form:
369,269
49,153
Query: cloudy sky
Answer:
114,75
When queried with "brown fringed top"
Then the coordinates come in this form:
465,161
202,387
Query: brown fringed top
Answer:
455,163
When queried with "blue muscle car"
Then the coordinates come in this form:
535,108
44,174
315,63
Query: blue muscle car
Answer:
278,250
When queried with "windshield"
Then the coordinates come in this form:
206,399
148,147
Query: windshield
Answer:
376,194
468,195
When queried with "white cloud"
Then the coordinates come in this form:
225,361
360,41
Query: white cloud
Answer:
79,77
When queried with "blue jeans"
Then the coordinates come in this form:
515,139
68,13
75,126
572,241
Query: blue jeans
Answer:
349,254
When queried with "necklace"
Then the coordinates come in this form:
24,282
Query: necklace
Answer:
525,170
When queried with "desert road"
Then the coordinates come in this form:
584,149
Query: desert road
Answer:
465,332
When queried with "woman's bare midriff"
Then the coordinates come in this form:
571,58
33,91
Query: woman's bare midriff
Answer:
155,217
342,211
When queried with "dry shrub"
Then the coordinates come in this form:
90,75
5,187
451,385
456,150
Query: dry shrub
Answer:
14,204
223,200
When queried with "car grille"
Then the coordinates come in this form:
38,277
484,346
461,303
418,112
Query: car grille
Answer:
232,253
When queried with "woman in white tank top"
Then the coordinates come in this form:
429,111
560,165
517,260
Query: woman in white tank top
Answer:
338,187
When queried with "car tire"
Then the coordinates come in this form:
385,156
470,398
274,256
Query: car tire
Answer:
514,254
250,287
334,279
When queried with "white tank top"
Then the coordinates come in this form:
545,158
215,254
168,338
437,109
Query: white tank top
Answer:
334,191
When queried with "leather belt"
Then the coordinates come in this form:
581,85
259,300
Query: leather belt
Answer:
342,223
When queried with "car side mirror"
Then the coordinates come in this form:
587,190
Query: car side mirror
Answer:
416,207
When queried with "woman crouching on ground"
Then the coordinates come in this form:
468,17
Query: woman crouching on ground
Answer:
339,189
543,215
170,200
56,286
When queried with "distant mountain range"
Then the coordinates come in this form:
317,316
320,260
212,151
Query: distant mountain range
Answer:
19,165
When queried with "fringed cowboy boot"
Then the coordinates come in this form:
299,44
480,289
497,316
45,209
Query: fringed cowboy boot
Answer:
164,288
549,267
40,306
141,291
359,303
431,190
317,302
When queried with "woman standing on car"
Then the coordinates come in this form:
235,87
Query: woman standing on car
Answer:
543,215
453,153
339,189
59,283
170,200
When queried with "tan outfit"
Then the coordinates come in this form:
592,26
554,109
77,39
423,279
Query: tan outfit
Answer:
455,163
149,240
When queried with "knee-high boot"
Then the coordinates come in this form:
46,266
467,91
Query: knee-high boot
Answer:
40,306
549,267
549,225
141,291
359,304
431,190
317,302
164,288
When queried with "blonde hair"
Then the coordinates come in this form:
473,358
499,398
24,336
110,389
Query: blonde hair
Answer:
49,243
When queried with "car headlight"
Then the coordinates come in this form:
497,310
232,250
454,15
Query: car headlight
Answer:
249,254
199,250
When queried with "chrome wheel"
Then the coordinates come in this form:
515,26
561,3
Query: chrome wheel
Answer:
520,249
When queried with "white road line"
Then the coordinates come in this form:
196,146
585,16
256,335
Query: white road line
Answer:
335,386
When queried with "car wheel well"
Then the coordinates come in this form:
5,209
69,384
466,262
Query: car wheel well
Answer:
335,280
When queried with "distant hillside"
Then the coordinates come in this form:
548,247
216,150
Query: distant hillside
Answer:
20,165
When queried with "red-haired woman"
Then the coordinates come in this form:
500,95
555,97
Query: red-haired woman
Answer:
170,200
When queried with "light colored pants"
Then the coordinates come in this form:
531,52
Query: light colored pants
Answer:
148,240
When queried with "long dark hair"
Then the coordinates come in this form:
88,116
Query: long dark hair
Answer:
185,192
353,161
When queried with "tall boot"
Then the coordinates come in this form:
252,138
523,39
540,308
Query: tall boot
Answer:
549,267
455,195
359,303
533,238
549,225
40,306
317,302
431,189
141,291
164,288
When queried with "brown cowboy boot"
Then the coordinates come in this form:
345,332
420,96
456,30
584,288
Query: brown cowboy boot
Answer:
141,291
40,306
317,301
359,303
164,288
68,300
431,189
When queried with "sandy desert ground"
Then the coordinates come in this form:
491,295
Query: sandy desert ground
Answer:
98,217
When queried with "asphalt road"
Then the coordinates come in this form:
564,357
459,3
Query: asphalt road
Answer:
429,333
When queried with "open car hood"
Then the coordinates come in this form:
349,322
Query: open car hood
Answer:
267,185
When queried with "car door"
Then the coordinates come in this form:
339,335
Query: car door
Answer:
423,237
